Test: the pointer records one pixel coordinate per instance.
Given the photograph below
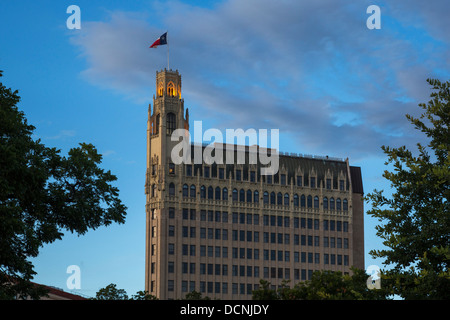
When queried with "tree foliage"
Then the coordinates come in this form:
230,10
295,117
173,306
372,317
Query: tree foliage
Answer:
43,193
323,285
415,220
111,292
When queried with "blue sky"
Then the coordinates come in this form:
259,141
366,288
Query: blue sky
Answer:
311,69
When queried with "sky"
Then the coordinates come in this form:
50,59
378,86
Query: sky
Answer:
310,68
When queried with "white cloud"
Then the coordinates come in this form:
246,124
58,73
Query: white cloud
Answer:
301,66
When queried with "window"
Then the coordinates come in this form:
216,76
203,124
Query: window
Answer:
299,181
217,193
171,122
256,196
171,168
279,198
296,203
328,184
249,195
325,203
345,205
286,199
221,173
338,204
238,175
313,182
157,124
202,192
210,192
170,89
235,195
302,201
206,172
341,185
153,191
225,194
316,202
266,197
331,203
242,195
185,190
252,176
189,170
171,189
283,179
192,191
309,202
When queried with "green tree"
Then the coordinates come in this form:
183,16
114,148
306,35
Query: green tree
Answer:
110,292
143,295
323,285
42,194
195,295
415,220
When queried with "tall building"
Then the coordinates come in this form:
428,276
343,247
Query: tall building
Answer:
218,229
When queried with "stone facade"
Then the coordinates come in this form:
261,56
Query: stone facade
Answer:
219,229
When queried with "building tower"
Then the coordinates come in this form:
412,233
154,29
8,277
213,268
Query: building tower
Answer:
168,115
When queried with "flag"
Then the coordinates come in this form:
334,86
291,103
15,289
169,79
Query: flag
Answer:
162,40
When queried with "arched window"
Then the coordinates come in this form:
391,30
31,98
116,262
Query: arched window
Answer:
235,195
171,189
217,193
266,197
170,89
286,199
171,123
210,192
279,198
296,200
249,195
225,194
338,204
303,201
331,203
316,202
325,203
242,195
272,198
309,202
256,196
202,192
156,129
345,205
192,191
185,191
153,190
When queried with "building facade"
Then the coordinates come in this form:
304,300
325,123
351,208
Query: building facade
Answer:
218,229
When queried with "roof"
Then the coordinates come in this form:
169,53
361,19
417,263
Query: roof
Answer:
292,164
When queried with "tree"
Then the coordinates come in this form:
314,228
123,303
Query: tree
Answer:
323,285
195,295
143,295
42,194
416,218
110,292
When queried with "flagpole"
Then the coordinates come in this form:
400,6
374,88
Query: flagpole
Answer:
168,55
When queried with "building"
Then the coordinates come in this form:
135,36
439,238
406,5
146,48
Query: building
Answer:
220,228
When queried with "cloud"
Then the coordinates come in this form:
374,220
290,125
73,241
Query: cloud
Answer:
310,68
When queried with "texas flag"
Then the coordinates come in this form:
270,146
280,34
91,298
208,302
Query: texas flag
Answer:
162,40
